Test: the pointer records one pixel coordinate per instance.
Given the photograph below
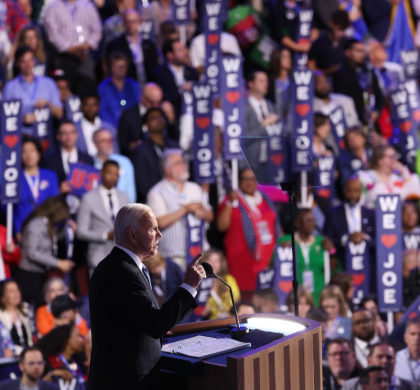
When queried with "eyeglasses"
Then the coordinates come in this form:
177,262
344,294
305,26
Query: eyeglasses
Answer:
339,354
32,364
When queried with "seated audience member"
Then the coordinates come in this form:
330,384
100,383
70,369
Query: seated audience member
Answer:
411,276
45,322
141,53
171,200
39,232
248,247
326,102
165,275
97,212
341,364
310,254
327,52
320,316
410,218
175,76
102,140
10,254
350,221
388,176
219,303
59,161
374,377
243,308
345,282
131,130
332,301
6,343
36,184
14,314
118,92
364,334
146,156
369,303
407,366
32,366
64,311
266,301
91,122
382,354
62,349
305,299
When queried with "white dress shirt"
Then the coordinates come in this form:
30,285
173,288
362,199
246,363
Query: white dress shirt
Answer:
362,349
67,158
139,263
261,110
178,73
88,130
105,198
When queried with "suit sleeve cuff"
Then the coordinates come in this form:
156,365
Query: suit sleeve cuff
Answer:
190,289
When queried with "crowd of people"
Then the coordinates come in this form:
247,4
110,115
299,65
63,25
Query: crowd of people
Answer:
113,76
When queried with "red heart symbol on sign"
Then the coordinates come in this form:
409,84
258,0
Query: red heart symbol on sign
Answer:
199,310
11,140
276,159
302,109
195,250
324,193
202,123
342,144
406,126
285,286
233,96
412,315
213,39
416,115
399,184
358,279
45,144
389,240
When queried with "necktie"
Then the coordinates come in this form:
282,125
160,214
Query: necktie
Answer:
146,273
111,206
263,116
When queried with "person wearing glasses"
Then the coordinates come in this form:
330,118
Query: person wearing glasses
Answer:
387,176
32,365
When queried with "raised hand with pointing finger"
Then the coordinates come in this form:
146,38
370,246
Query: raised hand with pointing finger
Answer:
195,273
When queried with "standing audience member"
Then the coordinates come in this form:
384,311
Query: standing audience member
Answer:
118,92
32,366
369,303
146,156
64,311
374,377
344,281
97,212
251,231
36,184
171,200
305,299
410,218
10,254
14,314
102,139
39,248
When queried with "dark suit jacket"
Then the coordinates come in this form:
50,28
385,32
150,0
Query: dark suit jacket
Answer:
150,56
54,162
146,162
129,129
14,384
164,77
126,347
377,14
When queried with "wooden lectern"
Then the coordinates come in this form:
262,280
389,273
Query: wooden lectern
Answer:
293,362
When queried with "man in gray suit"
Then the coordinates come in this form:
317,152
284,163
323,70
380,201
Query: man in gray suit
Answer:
260,121
97,212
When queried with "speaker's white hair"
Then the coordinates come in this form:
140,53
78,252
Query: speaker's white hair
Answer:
129,216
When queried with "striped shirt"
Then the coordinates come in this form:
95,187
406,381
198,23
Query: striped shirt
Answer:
71,24
37,247
164,198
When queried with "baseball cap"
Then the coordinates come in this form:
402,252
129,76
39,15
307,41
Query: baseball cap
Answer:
63,303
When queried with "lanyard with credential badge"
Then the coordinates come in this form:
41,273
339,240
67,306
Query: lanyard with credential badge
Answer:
33,185
416,380
77,375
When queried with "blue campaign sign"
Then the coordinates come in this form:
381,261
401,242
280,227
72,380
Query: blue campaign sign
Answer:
283,282
181,12
357,265
265,279
83,178
411,241
194,243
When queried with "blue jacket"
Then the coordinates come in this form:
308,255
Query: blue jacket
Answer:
14,384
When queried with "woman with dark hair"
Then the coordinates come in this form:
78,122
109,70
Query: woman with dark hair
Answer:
410,218
63,349
279,80
251,231
39,246
36,184
14,314
388,176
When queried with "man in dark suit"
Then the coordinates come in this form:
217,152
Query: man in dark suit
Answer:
175,76
141,53
32,365
146,157
68,153
121,280
350,221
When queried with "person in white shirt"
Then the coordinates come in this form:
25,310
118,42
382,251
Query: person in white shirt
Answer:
97,213
364,335
171,200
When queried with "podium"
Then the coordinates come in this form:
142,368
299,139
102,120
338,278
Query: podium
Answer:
293,362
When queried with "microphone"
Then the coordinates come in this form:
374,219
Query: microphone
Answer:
236,334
